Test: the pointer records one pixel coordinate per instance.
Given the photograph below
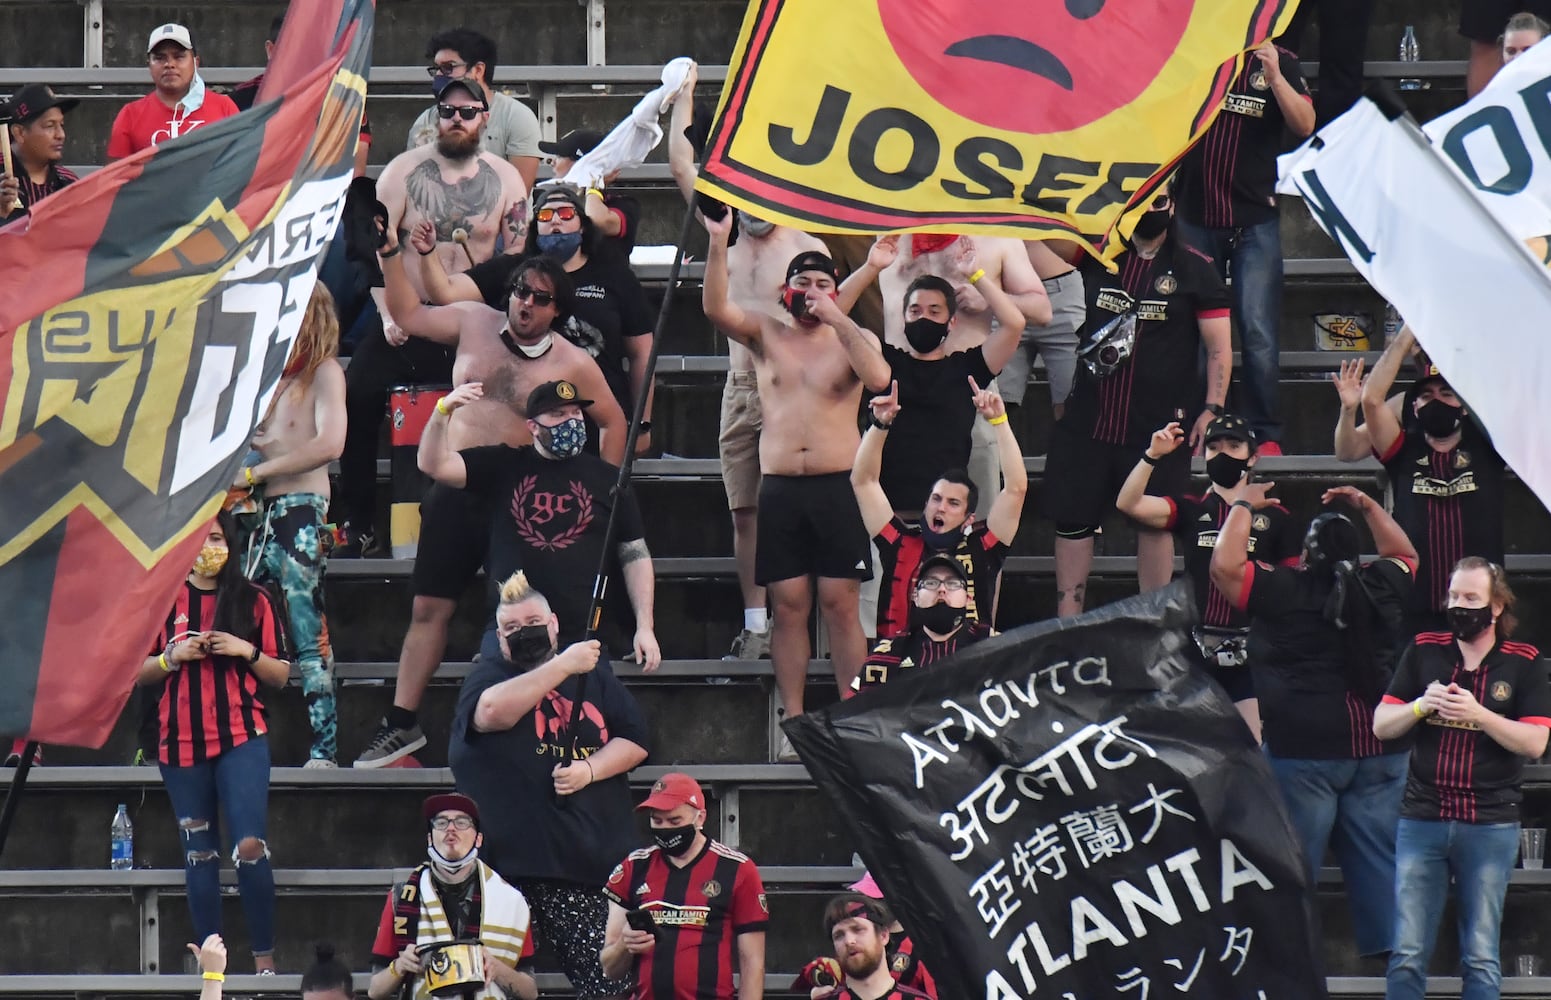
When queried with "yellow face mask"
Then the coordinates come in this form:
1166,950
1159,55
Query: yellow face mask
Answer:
210,560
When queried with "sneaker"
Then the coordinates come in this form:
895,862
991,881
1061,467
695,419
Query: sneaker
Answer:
750,645
318,764
389,744
1269,449
357,545
787,754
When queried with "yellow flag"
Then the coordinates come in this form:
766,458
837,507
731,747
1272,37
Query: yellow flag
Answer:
1022,118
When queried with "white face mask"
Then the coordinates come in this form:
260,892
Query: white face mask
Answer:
452,867
534,350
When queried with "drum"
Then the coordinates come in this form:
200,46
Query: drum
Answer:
411,407
453,968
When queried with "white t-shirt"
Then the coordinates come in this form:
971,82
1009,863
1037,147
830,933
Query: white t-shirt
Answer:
513,129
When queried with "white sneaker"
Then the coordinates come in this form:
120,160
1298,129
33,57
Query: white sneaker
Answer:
318,763
750,645
787,754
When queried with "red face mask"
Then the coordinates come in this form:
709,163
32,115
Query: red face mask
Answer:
925,243
796,302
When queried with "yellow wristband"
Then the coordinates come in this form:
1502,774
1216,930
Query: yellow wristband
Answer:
214,977
998,420
161,661
441,407
247,473
979,273
1416,708
597,192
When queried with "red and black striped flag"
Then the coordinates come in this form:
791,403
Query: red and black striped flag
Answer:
145,316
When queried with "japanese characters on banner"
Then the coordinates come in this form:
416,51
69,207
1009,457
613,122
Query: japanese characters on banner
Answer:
1073,810
1475,293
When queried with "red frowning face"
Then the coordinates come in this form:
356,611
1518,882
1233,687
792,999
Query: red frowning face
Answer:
1035,66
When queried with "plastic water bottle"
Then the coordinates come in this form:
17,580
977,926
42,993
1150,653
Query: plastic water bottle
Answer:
123,840
1410,52
1392,324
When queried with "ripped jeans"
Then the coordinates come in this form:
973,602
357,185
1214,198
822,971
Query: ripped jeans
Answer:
237,784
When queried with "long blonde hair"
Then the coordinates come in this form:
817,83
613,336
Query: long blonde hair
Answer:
318,339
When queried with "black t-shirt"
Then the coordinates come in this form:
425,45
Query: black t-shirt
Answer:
1274,538
1229,177
1171,294
610,306
547,519
1450,504
1312,705
1457,771
510,775
937,414
629,212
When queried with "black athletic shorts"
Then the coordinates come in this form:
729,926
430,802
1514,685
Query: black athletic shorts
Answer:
1484,20
454,538
1083,476
810,526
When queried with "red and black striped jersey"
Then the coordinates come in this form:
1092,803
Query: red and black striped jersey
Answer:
1458,772
914,649
699,909
55,179
902,548
899,992
211,705
1274,537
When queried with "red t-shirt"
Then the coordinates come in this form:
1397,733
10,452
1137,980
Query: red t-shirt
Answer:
384,952
148,121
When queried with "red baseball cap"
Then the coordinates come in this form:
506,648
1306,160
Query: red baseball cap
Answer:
674,790
453,801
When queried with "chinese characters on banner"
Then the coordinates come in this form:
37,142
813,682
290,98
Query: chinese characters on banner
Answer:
1074,810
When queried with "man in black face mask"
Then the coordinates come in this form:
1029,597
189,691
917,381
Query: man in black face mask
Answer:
939,624
1195,521
514,748
701,898
1446,477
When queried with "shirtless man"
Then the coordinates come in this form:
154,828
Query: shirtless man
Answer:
811,366
1007,263
756,274
509,356
303,433
455,186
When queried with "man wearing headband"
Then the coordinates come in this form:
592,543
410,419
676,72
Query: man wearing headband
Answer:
452,896
858,928
823,976
811,365
1446,477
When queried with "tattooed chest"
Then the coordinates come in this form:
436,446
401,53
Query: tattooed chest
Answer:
471,203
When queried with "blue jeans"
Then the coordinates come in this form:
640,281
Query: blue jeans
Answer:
1252,255
235,783
1352,807
1480,856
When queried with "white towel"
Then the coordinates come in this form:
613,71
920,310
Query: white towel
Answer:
630,140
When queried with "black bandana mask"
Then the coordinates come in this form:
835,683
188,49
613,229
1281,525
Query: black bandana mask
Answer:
1439,419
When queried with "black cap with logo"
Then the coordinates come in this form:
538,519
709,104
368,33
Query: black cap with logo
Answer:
554,395
31,101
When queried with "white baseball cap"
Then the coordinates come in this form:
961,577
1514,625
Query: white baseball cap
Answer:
170,33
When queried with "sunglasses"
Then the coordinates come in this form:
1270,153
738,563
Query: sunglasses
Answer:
565,213
467,113
445,69
521,291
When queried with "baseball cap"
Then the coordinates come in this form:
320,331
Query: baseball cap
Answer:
1427,372
552,396
170,33
442,84
573,144
559,191
450,801
673,790
812,260
1230,426
944,560
34,99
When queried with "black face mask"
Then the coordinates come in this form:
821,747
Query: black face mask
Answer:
941,618
925,335
1439,419
528,645
1152,224
1467,623
1225,470
675,841
939,541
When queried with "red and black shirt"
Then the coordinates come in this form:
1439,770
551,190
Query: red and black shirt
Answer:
1228,179
1196,520
1160,382
32,192
1310,703
699,909
915,649
211,705
899,992
907,970
1450,504
902,547
1458,772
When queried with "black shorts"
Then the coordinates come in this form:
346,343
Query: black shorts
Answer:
1484,20
810,526
1083,477
454,538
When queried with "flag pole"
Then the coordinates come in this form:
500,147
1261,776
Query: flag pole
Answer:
14,796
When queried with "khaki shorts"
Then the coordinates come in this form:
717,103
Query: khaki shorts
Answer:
738,440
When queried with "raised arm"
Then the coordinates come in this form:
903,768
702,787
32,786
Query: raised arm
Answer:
1297,107
1230,557
1388,536
1010,318
435,323
885,250
1384,427
726,314
1007,510
1351,441
1133,501
861,346
501,706
435,458
868,464
440,287
681,155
